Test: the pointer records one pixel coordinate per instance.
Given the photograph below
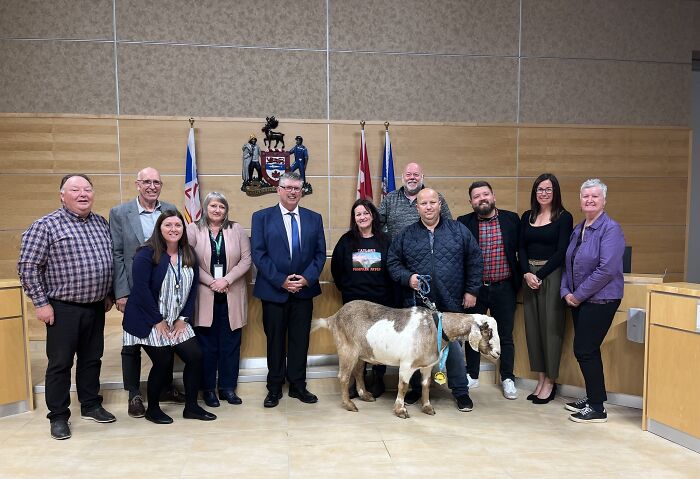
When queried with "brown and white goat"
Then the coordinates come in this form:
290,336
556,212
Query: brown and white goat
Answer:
407,338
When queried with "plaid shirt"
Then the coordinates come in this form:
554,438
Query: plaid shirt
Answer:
491,242
66,257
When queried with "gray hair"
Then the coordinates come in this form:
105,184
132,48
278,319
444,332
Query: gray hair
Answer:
203,221
290,176
595,182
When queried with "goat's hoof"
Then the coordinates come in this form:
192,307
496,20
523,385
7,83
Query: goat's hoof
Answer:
350,406
367,397
428,409
402,413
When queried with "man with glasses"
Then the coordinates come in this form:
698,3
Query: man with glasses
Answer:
131,224
289,251
497,232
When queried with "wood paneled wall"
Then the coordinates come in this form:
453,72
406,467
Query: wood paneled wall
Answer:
646,169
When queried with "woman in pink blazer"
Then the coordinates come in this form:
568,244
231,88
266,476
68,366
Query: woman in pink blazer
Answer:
223,253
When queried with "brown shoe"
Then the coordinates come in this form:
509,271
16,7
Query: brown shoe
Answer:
172,395
136,408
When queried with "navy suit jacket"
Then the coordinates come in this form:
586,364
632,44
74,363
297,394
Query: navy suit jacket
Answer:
142,312
272,258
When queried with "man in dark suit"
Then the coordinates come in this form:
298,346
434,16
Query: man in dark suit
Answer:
289,250
497,232
131,224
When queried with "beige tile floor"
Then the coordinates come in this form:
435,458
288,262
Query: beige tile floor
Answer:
498,439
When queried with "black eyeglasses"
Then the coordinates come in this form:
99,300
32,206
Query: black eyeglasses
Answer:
544,191
291,189
151,182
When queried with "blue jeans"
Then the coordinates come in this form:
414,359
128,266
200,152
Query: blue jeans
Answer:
456,372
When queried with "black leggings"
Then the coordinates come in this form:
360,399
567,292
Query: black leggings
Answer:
160,375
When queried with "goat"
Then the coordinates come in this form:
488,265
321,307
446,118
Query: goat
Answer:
407,338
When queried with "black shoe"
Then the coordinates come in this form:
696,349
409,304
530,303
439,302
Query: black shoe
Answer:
60,429
210,399
172,395
587,414
412,396
196,412
530,397
577,405
548,398
136,408
230,396
352,392
302,395
464,403
272,399
378,387
157,416
99,414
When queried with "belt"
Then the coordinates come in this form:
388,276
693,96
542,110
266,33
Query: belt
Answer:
537,262
494,283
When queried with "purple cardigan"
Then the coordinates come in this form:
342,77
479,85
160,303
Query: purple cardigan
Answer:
597,269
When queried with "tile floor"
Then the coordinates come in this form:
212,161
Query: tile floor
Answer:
498,439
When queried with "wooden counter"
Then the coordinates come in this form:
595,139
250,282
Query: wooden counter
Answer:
623,360
15,371
672,363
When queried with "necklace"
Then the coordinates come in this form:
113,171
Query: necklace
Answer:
178,277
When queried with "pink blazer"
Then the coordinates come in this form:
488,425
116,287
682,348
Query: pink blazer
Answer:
238,263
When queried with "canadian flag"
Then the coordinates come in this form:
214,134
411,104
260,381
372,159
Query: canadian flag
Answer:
364,180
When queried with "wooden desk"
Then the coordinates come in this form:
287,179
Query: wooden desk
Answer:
623,360
15,371
672,363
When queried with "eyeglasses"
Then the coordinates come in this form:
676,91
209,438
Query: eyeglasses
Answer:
155,183
544,191
291,189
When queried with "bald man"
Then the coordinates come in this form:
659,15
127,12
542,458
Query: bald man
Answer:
398,208
131,224
446,251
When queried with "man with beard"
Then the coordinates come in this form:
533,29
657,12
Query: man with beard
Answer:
497,232
398,208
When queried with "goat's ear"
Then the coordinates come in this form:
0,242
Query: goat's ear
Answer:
475,336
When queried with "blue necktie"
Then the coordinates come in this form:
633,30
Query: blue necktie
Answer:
296,248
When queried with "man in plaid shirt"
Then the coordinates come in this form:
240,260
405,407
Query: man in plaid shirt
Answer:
65,266
498,233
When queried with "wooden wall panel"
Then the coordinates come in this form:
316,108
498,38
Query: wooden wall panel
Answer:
586,152
44,145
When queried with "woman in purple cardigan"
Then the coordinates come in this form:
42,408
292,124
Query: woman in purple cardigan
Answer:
592,284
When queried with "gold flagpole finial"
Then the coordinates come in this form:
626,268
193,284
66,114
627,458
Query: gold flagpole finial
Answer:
386,125
191,122
362,124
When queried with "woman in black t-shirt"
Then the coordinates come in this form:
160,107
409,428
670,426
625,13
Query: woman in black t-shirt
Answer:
359,268
544,237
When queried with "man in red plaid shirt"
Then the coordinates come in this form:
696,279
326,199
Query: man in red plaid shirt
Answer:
498,233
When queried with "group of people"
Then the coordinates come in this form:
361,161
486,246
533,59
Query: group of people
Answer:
182,288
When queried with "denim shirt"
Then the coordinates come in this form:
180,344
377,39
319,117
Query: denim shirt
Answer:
596,275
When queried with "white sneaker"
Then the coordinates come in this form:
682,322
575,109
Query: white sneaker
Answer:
472,383
509,391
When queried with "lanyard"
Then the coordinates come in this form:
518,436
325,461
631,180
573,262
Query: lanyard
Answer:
178,272
217,243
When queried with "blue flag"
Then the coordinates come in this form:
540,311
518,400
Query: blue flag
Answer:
388,182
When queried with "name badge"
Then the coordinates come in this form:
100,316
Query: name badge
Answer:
218,271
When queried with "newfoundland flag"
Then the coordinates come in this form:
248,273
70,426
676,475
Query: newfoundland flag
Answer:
364,180
388,181
193,207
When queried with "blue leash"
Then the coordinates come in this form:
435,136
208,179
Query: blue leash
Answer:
423,291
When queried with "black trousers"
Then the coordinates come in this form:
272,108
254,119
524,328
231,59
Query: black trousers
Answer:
78,330
221,351
293,320
591,325
499,300
131,369
161,371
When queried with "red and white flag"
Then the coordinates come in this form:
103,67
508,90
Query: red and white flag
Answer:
364,181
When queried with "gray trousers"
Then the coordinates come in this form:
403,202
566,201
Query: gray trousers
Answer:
544,323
